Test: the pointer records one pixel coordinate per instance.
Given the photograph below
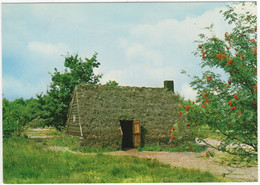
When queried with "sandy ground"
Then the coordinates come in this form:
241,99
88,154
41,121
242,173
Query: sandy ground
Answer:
40,129
190,160
33,133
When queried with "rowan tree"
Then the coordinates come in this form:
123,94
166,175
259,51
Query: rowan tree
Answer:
228,104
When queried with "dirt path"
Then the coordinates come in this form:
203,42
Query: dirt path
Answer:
39,133
190,160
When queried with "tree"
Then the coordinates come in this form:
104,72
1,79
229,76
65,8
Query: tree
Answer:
54,104
228,105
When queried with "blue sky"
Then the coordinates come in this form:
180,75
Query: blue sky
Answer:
138,44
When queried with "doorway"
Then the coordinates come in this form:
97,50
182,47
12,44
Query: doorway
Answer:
131,134
127,129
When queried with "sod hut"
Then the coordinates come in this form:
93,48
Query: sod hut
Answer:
122,117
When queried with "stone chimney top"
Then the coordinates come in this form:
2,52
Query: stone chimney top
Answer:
169,85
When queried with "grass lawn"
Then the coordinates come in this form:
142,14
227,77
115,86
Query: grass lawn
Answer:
28,161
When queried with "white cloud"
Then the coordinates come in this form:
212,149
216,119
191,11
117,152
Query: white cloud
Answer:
187,92
117,75
47,56
181,32
149,56
140,76
48,49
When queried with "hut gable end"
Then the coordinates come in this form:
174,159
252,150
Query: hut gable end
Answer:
73,121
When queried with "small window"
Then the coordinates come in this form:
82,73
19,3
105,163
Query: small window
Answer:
74,118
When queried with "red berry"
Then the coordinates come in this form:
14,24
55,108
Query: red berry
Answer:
236,97
229,62
208,78
233,108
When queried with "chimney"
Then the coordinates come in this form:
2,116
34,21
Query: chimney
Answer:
168,84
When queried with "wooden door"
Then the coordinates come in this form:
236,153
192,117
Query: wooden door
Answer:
136,134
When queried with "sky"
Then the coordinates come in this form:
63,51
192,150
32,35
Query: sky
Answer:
138,44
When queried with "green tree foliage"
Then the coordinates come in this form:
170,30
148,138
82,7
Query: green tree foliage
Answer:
112,83
16,114
228,105
54,104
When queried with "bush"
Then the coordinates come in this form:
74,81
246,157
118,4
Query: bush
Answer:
16,114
